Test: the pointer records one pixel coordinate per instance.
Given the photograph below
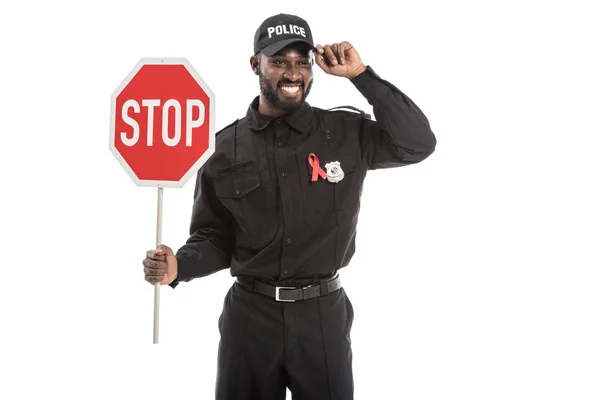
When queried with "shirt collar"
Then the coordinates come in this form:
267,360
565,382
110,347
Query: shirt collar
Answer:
300,119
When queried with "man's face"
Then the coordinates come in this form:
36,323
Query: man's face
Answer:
286,77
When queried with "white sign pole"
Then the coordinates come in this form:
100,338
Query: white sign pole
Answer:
158,243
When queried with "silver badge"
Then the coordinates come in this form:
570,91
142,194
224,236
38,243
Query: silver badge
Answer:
334,171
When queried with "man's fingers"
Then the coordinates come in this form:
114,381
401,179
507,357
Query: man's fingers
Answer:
154,265
164,250
319,59
321,63
154,279
335,50
155,273
150,253
154,255
329,56
341,52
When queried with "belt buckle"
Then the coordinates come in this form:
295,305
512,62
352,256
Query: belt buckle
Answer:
277,293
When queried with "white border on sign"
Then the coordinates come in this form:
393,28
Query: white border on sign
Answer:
211,127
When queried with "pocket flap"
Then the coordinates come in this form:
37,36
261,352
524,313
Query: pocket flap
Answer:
348,162
237,187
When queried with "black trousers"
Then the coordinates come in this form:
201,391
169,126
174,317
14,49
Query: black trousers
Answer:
267,346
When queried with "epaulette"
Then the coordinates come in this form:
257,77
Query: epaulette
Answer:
346,108
228,126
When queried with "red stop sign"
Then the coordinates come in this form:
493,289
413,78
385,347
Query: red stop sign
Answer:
162,122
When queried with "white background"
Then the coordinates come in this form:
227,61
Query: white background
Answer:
477,271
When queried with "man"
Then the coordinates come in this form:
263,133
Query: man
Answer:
277,204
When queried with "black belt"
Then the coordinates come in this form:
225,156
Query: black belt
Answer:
291,294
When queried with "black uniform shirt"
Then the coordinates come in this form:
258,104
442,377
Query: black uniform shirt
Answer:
257,209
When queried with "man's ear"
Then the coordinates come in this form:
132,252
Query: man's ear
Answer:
254,64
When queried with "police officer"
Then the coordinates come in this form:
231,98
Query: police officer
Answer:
277,205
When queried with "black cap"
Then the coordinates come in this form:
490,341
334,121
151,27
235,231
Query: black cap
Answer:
280,30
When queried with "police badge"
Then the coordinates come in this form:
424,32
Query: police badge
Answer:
334,172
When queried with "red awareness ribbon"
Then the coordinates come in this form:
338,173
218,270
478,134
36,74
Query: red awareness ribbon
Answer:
313,161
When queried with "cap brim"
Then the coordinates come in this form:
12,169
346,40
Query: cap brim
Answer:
276,47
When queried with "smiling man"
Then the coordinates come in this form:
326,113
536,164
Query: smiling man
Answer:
277,204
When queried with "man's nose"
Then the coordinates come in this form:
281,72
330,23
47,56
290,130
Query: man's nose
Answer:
293,74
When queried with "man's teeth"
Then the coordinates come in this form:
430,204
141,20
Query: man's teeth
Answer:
290,89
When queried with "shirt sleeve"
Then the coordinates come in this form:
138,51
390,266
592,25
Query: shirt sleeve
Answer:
402,134
208,249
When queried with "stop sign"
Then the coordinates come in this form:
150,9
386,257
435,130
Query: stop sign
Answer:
162,122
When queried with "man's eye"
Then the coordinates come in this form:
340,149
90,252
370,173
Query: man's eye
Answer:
278,62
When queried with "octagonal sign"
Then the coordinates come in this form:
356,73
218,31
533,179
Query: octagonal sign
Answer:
162,122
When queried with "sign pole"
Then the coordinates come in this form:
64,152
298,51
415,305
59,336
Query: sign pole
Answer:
158,243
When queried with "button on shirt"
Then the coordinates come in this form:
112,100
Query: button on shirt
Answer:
259,212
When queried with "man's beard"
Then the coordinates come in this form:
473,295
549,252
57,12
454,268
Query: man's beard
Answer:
274,99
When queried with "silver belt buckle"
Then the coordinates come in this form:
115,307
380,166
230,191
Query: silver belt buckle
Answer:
277,293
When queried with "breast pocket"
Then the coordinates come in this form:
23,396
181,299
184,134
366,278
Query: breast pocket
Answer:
252,207
326,202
